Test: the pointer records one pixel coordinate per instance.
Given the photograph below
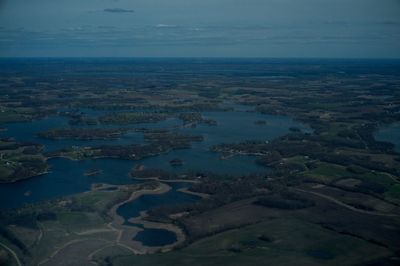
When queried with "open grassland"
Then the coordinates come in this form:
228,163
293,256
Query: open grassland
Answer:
277,241
45,230
69,231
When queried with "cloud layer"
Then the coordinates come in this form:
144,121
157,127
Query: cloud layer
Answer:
265,28
118,10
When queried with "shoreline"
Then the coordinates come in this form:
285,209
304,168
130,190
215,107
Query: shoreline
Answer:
106,157
180,235
47,171
167,180
198,194
127,233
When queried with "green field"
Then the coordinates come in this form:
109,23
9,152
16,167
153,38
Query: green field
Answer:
275,242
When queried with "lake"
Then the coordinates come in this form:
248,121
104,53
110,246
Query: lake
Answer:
67,177
155,237
145,202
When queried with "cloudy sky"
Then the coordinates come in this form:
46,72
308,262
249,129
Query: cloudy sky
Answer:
200,28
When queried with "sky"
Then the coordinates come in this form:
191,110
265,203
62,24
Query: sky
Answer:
200,28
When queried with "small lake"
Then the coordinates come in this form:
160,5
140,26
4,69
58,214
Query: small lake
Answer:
155,237
390,134
145,202
149,236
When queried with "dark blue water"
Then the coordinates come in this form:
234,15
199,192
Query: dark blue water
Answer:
173,197
233,127
67,177
390,134
237,126
27,131
155,237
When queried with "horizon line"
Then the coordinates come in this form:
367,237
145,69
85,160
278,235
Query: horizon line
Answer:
200,57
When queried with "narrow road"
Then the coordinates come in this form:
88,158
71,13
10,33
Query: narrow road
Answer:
13,253
338,202
391,177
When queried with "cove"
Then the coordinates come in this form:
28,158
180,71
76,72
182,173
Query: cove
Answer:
133,208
